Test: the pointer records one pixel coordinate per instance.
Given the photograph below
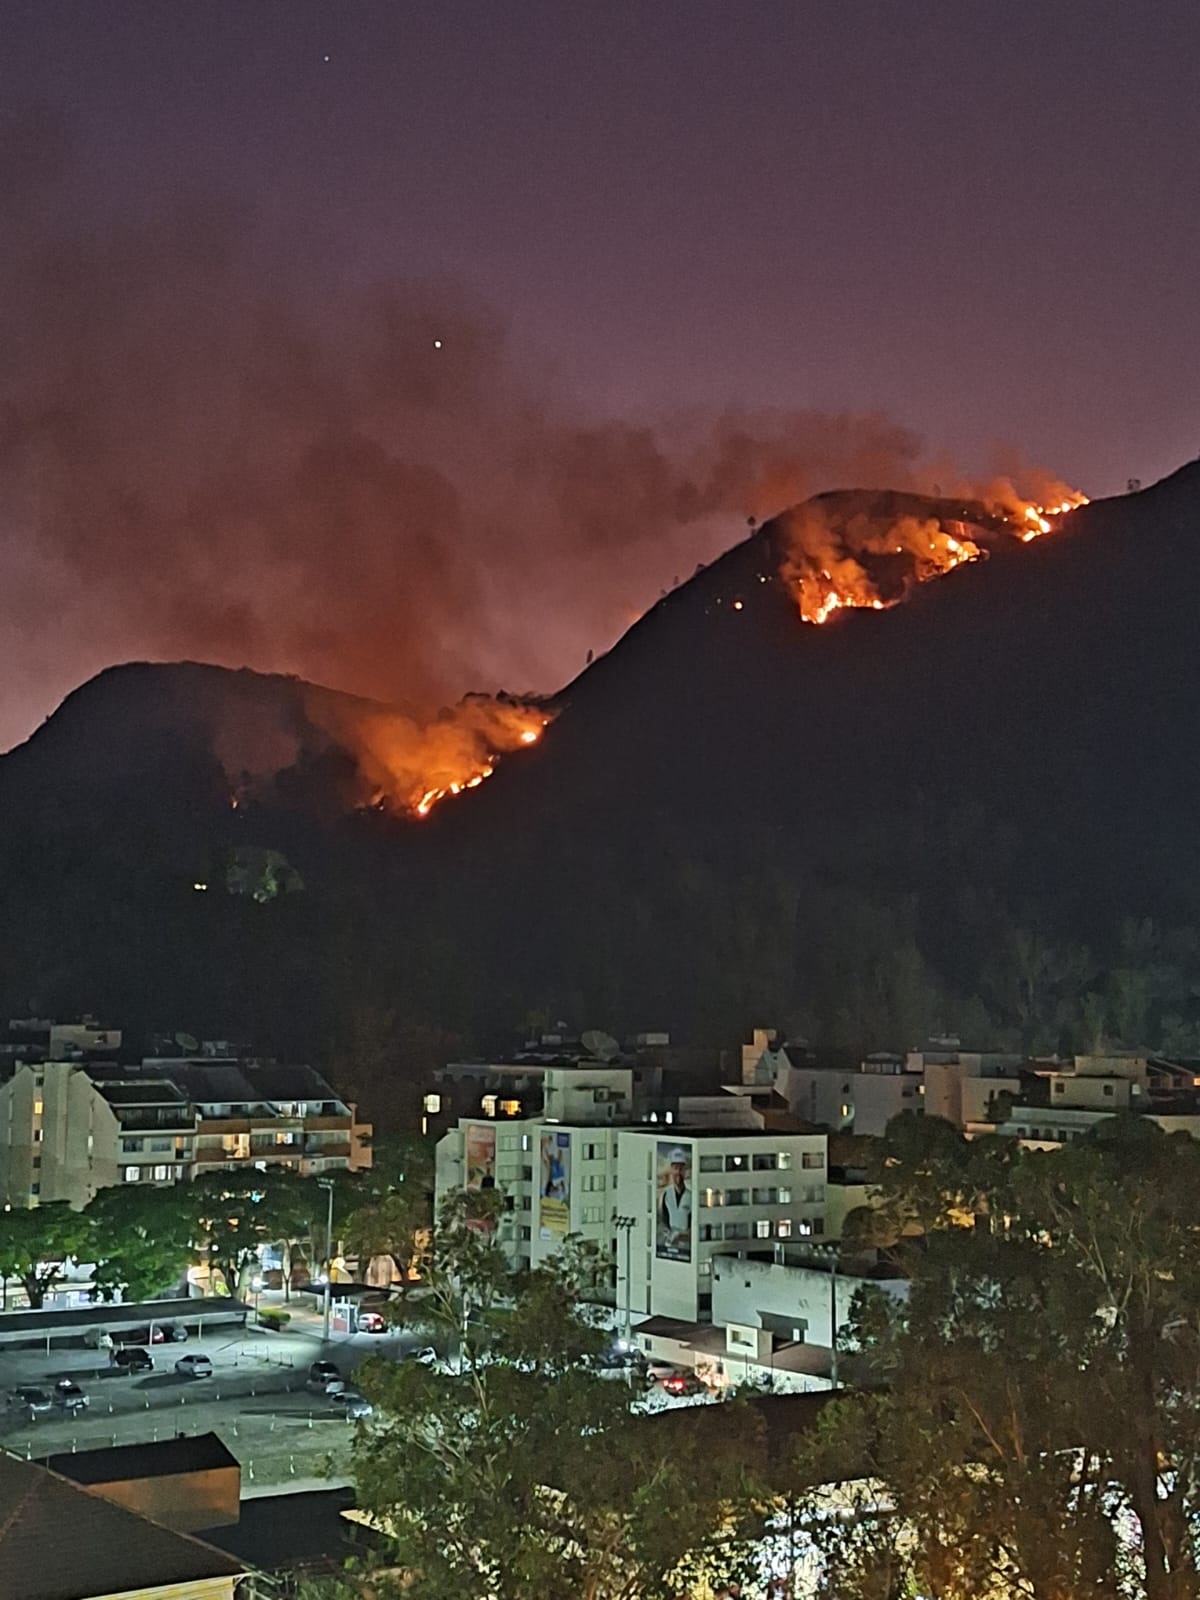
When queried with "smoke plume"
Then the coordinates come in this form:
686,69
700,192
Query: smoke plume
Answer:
204,454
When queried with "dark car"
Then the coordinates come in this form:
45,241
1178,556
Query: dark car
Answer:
31,1400
69,1396
152,1334
681,1383
174,1333
324,1378
129,1359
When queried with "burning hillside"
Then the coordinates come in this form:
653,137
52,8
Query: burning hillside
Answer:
393,758
409,764
865,561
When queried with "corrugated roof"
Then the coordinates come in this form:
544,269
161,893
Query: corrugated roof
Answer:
61,1542
165,1459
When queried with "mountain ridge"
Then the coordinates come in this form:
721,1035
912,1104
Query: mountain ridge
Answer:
735,815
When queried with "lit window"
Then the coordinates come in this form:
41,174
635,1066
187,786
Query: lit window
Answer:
762,1228
783,1228
785,1160
511,1108
132,1174
845,1109
37,1108
488,1104
785,1197
433,1104
712,1197
161,1174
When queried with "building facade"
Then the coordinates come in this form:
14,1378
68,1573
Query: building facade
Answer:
69,1129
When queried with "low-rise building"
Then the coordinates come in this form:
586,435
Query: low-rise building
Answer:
59,1541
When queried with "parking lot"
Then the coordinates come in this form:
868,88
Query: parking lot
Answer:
256,1399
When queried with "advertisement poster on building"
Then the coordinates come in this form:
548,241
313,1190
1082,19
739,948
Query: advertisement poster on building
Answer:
554,1191
481,1157
673,1212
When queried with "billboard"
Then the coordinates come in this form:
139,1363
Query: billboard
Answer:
673,1203
481,1157
554,1187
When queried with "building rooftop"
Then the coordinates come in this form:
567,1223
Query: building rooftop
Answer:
674,1130
141,1092
169,1458
308,1532
61,1542
272,1081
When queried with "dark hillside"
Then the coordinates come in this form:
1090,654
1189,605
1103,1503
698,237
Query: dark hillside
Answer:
961,811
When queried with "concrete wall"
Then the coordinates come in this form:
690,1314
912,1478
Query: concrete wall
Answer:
798,1302
863,1101
186,1502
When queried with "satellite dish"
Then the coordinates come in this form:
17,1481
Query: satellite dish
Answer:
600,1044
186,1042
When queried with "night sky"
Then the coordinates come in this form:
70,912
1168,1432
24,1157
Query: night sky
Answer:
684,260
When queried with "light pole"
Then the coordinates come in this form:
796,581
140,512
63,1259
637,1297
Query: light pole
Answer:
625,1225
327,1185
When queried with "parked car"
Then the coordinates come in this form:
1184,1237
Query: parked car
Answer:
154,1333
130,1359
324,1378
31,1400
194,1367
69,1396
173,1333
657,1370
353,1402
680,1383
371,1322
425,1354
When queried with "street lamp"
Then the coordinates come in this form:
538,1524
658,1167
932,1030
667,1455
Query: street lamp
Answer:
327,1185
626,1226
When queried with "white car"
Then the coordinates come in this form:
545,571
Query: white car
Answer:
352,1402
194,1367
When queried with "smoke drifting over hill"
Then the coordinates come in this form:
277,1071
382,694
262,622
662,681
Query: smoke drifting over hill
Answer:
202,454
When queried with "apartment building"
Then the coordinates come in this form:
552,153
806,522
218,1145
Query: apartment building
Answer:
687,1195
660,1198
69,1128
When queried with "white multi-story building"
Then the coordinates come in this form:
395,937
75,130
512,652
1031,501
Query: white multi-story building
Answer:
661,1199
687,1195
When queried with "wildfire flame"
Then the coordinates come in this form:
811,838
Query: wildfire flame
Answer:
860,564
480,762
410,764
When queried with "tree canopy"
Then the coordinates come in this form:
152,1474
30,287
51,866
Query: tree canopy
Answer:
1040,1432
522,1470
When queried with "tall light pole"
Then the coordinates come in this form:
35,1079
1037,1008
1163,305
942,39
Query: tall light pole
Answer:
327,1185
625,1225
